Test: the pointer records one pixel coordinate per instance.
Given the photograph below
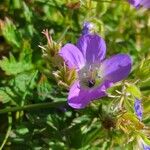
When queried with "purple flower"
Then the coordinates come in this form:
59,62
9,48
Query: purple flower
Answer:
138,3
146,147
95,74
143,145
138,109
87,27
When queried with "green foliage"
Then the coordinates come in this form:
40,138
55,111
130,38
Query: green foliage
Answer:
134,90
30,76
44,89
143,70
10,33
6,94
11,66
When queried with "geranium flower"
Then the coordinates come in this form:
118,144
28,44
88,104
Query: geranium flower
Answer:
138,109
138,3
95,74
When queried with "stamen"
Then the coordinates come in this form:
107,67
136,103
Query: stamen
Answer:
90,76
91,83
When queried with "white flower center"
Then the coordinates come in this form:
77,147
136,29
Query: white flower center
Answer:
90,76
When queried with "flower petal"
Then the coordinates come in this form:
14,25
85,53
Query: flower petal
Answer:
72,55
79,97
138,3
93,48
100,91
146,3
146,147
135,3
138,109
116,68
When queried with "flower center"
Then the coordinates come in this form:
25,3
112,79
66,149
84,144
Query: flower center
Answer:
91,83
90,76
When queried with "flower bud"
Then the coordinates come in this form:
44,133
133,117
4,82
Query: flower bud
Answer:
50,51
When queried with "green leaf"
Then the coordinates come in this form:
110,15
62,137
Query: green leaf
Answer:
22,130
101,8
6,95
11,66
143,71
27,12
134,90
44,88
11,34
24,82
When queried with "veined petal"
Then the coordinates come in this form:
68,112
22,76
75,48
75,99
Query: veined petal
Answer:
93,48
79,97
72,56
116,68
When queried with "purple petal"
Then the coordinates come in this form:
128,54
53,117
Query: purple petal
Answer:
146,147
146,3
93,48
135,3
72,56
138,109
79,97
116,68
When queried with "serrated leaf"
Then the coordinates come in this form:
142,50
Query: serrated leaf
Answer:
10,33
6,94
12,66
24,82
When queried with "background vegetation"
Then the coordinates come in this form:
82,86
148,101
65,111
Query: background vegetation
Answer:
33,89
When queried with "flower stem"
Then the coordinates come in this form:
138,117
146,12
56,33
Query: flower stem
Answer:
33,106
8,130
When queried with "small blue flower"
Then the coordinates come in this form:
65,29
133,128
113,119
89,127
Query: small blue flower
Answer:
146,147
138,109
